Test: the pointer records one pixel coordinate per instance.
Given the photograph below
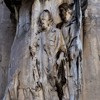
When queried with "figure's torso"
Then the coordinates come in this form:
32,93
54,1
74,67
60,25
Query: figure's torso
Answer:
50,40
69,32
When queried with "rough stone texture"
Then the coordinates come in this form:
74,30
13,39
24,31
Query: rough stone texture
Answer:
24,73
6,38
91,70
20,57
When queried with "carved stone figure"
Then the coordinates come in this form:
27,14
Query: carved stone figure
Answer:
73,45
51,52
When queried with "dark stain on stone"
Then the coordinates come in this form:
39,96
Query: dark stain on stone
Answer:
99,57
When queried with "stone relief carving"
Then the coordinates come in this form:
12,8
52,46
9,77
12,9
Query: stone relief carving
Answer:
50,43
74,47
57,55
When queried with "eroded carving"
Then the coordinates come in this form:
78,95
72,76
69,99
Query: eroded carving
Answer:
56,58
73,45
51,44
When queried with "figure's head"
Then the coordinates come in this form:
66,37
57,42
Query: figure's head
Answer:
66,11
45,19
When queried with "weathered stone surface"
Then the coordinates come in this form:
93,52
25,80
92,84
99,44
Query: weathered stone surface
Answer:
58,71
7,32
91,70
22,74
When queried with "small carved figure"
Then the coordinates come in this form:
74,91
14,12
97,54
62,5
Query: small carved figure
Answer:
51,42
68,26
73,45
51,39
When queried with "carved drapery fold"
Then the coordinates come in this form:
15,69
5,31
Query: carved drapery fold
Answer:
52,49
